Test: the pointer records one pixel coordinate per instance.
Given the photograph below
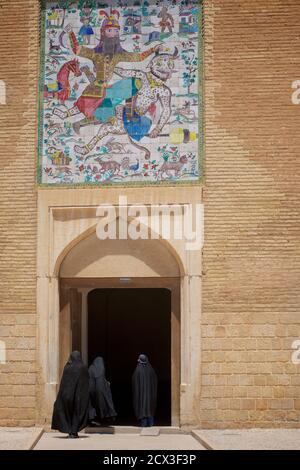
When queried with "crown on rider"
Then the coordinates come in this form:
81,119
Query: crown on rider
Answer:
110,21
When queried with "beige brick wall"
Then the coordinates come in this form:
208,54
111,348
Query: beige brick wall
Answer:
18,68
251,294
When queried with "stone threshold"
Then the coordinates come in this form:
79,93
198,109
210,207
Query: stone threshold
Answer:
152,431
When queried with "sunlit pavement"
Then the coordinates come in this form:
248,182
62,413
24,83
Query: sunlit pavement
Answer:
19,438
57,441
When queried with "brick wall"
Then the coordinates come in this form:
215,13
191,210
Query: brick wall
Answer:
251,294
18,68
251,257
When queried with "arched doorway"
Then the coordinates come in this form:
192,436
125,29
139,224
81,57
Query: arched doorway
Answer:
123,323
72,261
119,298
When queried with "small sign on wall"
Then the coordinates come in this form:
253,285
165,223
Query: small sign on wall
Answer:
2,352
2,92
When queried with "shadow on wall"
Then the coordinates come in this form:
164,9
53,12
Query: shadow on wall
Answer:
92,257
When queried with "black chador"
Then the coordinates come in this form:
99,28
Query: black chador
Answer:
101,407
70,413
144,390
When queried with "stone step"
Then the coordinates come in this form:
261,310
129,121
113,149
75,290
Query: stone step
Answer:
133,430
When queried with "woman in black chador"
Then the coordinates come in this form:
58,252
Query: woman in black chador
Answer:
101,407
70,413
144,389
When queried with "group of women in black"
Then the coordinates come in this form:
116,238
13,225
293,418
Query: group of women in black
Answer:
84,395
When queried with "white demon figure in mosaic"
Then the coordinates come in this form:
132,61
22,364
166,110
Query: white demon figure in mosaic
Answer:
131,118
116,109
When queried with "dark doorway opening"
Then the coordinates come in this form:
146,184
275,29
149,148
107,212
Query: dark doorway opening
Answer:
122,323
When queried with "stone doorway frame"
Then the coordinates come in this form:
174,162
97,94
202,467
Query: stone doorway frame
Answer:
86,285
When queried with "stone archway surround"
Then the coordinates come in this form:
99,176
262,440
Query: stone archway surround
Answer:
61,228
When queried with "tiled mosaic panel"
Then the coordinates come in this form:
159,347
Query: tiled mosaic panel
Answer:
120,92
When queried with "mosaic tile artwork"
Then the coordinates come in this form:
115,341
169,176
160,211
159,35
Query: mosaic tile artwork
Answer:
119,92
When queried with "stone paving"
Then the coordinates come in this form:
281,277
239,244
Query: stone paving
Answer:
19,438
164,439
250,439
57,441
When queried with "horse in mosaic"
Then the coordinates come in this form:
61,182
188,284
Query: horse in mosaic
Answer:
61,89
